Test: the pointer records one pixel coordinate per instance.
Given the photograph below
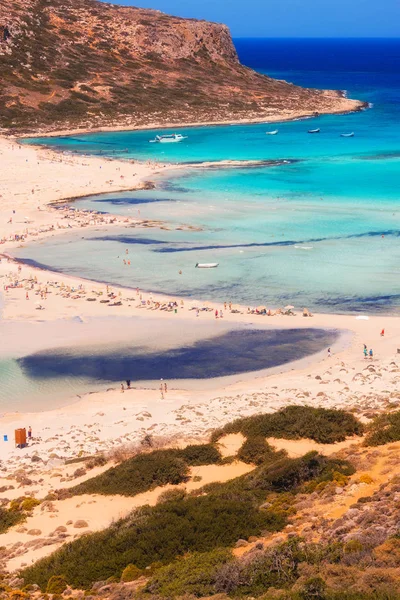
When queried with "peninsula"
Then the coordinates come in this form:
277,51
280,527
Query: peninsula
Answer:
69,64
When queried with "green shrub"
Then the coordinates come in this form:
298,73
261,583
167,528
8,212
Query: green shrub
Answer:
256,450
9,518
201,454
313,589
288,474
194,574
171,495
138,474
28,504
383,430
131,573
295,422
56,585
149,470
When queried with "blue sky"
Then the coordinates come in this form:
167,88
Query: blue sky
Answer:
290,18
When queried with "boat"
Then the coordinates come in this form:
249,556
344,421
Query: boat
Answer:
314,130
272,132
347,134
206,265
170,138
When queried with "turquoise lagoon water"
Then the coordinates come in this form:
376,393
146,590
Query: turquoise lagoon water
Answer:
320,228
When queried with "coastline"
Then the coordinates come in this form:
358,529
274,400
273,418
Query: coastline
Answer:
282,117
106,421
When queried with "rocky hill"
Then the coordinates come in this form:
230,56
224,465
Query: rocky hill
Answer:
68,63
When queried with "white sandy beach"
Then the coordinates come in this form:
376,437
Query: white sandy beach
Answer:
100,422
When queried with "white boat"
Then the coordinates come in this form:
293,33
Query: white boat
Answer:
347,134
206,265
168,139
272,132
314,130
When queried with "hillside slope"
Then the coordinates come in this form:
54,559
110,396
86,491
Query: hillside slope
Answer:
68,63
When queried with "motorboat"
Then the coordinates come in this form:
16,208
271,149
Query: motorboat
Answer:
347,134
170,138
314,130
206,265
272,132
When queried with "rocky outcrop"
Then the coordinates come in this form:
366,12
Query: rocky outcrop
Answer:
69,63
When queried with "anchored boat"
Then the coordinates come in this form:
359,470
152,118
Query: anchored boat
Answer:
347,134
168,139
206,265
314,130
272,132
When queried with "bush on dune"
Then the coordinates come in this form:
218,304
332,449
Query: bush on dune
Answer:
149,470
383,430
289,474
322,425
137,475
257,451
9,518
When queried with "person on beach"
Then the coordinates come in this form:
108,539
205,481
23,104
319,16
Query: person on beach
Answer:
329,352
29,432
216,314
27,296
382,333
122,388
128,384
162,389
371,354
365,351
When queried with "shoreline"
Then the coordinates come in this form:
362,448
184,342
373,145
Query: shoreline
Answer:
53,189
360,106
105,422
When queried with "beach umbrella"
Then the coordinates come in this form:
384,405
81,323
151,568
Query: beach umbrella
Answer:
289,307
362,318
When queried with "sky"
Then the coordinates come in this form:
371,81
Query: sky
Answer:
290,18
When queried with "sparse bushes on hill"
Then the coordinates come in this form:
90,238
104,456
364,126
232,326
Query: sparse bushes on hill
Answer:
214,517
295,422
159,533
383,430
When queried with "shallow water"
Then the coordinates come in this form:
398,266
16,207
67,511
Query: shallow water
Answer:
322,231
231,353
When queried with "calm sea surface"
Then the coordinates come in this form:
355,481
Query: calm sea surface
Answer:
320,231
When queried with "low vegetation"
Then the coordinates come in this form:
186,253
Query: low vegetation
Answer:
384,429
17,512
149,470
216,516
194,574
256,451
322,425
9,518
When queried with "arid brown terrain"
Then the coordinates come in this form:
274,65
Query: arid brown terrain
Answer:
69,63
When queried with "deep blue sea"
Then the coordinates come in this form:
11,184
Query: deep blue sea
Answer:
322,230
